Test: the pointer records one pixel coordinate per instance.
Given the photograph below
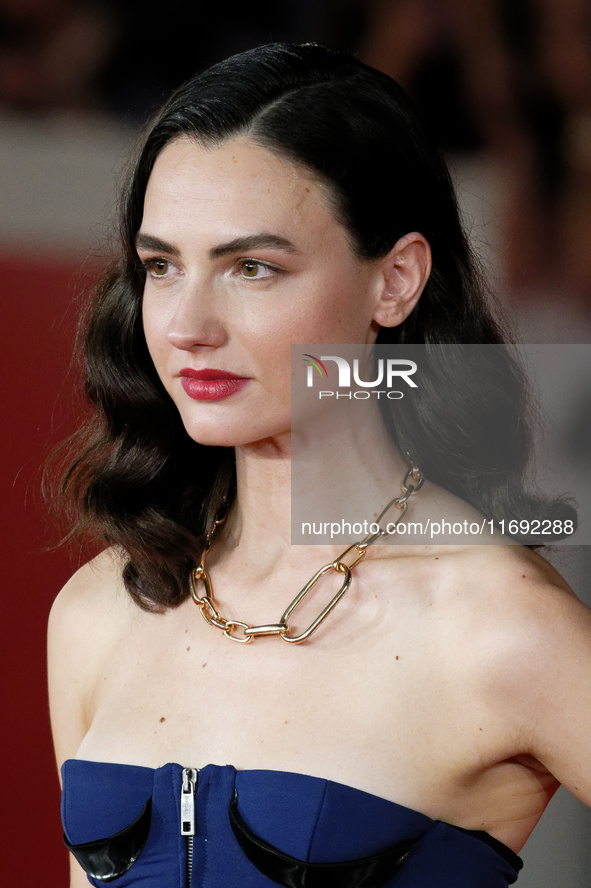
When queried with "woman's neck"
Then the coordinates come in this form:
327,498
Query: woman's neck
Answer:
351,473
263,495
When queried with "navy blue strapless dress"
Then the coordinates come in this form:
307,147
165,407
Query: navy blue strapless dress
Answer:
172,827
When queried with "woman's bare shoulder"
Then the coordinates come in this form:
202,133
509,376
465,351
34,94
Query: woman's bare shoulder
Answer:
542,606
519,615
509,592
95,591
91,614
514,577
533,638
88,617
500,604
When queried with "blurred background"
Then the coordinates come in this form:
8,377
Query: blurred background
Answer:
506,87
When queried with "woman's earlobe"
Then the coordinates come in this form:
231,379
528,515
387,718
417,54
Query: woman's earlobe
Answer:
404,273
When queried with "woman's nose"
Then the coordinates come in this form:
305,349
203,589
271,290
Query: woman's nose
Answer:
196,322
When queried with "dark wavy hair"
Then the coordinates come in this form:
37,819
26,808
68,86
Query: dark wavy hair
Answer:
137,479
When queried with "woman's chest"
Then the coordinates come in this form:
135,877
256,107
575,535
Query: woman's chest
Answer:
374,708
383,710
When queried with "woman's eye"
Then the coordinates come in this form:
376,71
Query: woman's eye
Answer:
252,268
157,267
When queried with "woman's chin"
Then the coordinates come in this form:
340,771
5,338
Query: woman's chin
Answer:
231,437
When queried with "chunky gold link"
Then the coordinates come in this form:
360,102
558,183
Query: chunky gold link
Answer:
370,539
338,568
361,550
197,575
397,503
265,631
415,473
243,639
209,612
411,484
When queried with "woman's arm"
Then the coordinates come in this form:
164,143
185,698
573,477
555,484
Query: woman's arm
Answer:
543,666
79,632
67,668
555,680
88,616
78,878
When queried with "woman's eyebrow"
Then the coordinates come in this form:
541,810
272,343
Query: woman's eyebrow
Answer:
252,242
149,242
146,241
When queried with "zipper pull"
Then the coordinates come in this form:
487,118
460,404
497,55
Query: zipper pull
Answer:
188,801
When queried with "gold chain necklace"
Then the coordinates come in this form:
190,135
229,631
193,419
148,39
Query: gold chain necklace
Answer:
235,630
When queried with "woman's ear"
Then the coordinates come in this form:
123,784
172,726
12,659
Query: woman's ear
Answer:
403,275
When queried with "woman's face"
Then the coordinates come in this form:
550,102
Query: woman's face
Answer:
243,258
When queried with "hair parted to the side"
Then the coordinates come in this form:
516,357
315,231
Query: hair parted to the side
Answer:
137,479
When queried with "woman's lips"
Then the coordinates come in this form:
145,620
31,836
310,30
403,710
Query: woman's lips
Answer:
210,384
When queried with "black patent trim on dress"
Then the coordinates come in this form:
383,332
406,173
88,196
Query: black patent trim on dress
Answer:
107,859
365,872
502,850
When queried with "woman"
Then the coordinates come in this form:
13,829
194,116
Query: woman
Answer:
290,195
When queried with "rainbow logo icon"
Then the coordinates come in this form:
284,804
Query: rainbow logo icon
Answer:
317,364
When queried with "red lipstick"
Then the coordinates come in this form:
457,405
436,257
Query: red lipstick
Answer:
210,384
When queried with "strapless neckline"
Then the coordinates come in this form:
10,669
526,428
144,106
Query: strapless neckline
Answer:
305,820
501,847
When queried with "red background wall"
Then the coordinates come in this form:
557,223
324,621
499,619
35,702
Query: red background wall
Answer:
36,335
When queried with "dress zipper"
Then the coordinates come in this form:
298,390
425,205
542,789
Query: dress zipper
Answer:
188,789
